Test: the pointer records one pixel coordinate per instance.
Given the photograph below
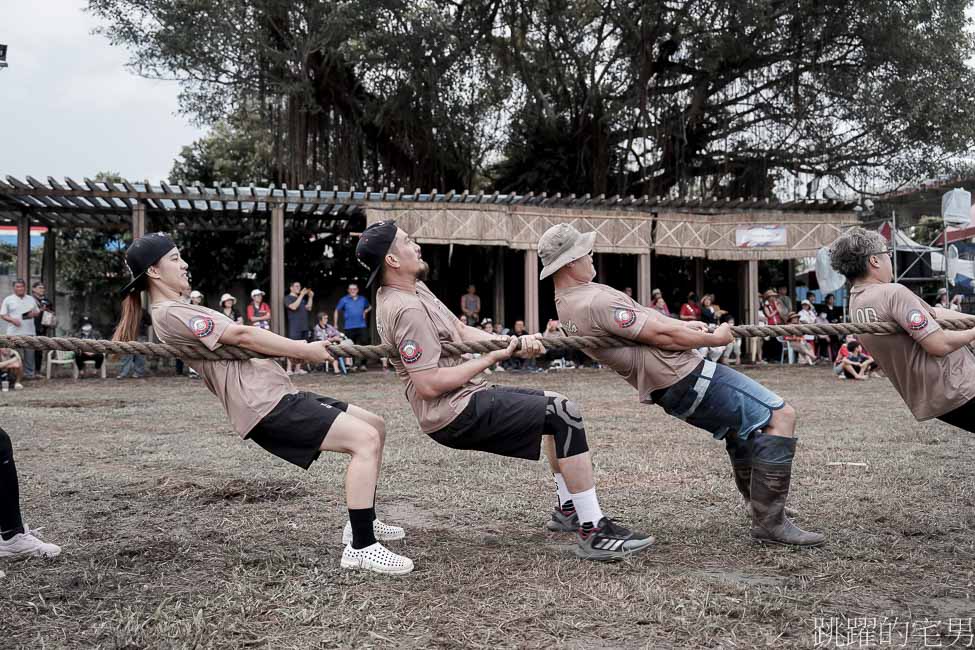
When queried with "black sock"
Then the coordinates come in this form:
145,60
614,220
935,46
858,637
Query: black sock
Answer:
568,507
362,532
10,521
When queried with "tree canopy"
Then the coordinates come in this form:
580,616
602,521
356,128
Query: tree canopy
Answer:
718,97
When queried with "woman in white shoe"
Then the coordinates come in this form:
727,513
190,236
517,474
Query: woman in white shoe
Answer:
16,539
260,399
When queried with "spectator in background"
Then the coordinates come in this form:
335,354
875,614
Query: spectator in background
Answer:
45,323
854,364
87,331
329,333
517,364
228,305
258,313
355,312
657,302
11,369
834,314
956,302
733,349
20,310
196,298
470,304
690,310
709,314
785,302
134,365
297,304
942,299
628,291
799,345
487,325
501,330
807,316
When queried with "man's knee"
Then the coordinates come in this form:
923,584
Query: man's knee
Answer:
785,418
369,442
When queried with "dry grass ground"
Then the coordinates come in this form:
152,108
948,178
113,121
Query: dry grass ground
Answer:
177,534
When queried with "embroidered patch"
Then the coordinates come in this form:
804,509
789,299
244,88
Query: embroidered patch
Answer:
916,319
201,326
570,327
624,317
410,351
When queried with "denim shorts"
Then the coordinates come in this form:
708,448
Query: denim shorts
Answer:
720,400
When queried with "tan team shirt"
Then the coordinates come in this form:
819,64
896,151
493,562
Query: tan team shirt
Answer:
597,310
248,390
929,385
417,324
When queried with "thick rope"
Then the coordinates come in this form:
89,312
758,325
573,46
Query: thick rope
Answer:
376,352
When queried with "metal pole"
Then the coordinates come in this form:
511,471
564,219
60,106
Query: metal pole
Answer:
944,238
893,239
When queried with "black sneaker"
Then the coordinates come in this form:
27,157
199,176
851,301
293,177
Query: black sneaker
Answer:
609,542
563,521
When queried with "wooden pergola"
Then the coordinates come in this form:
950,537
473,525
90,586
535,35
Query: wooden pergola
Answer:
699,228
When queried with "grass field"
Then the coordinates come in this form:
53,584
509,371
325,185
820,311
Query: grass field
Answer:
177,534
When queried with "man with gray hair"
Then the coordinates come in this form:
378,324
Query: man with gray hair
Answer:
758,427
20,309
931,368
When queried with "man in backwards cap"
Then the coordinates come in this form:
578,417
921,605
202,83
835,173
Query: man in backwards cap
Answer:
461,413
757,425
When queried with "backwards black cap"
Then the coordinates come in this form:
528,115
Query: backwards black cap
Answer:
143,253
373,246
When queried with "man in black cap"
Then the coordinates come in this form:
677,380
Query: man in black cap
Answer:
460,412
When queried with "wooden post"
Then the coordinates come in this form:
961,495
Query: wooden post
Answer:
48,264
699,277
643,282
23,249
531,291
277,269
751,318
790,271
499,285
138,220
600,267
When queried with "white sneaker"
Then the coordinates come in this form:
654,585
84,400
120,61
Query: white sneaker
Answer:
18,386
25,544
376,558
383,531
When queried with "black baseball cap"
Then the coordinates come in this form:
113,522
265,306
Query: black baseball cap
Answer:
143,253
373,245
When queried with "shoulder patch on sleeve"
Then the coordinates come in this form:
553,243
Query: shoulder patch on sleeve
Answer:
201,326
410,351
624,317
917,320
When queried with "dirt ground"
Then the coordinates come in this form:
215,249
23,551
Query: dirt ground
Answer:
177,534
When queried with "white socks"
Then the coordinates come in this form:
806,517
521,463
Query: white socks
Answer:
587,507
564,494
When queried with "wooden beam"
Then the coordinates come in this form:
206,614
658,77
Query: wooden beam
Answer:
751,315
531,291
277,269
138,220
699,277
643,282
499,284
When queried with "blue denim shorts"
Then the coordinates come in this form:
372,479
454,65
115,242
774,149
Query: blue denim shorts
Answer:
720,400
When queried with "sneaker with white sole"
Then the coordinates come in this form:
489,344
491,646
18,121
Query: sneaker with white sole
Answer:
376,557
383,532
25,544
609,542
563,521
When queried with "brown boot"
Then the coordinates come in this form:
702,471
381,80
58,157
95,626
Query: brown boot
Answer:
740,453
771,477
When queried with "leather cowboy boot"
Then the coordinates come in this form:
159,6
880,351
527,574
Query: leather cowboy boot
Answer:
771,477
740,453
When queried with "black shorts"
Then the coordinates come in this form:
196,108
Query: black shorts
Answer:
962,417
499,420
358,335
296,426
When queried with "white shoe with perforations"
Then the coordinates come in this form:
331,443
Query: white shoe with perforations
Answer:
376,558
383,531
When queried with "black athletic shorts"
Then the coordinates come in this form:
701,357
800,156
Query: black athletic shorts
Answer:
962,417
296,426
499,420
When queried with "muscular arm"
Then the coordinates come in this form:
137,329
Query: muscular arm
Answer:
944,342
269,343
468,333
946,314
434,382
675,335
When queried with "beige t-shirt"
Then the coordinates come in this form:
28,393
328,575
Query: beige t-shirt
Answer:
416,324
248,390
930,386
597,310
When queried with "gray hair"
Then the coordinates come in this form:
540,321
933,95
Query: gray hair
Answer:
850,253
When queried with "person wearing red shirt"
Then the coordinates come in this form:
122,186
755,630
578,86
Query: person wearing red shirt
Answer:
690,310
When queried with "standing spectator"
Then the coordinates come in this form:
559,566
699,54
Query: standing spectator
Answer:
45,322
942,299
772,314
355,310
807,316
228,305
20,310
709,314
297,304
956,302
690,310
785,302
11,369
470,304
733,348
834,314
134,365
326,332
87,331
628,291
657,302
258,313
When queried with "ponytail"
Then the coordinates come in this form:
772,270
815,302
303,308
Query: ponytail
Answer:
128,325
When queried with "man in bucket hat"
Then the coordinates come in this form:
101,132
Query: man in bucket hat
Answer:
758,427
458,411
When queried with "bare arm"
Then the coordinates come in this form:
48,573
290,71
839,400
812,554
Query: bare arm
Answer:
944,342
947,314
269,343
434,382
675,335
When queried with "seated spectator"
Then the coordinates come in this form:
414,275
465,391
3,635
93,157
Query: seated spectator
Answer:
709,313
11,369
690,310
559,358
487,325
325,332
854,364
823,344
501,330
807,316
956,302
258,313
799,344
228,305
463,319
657,302
733,349
87,331
470,304
520,365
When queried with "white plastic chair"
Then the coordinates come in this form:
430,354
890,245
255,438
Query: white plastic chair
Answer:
61,358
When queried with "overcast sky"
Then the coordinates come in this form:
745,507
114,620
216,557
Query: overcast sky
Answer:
69,106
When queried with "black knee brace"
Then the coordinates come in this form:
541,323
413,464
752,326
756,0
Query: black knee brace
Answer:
563,419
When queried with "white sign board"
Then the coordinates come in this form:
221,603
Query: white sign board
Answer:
760,236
